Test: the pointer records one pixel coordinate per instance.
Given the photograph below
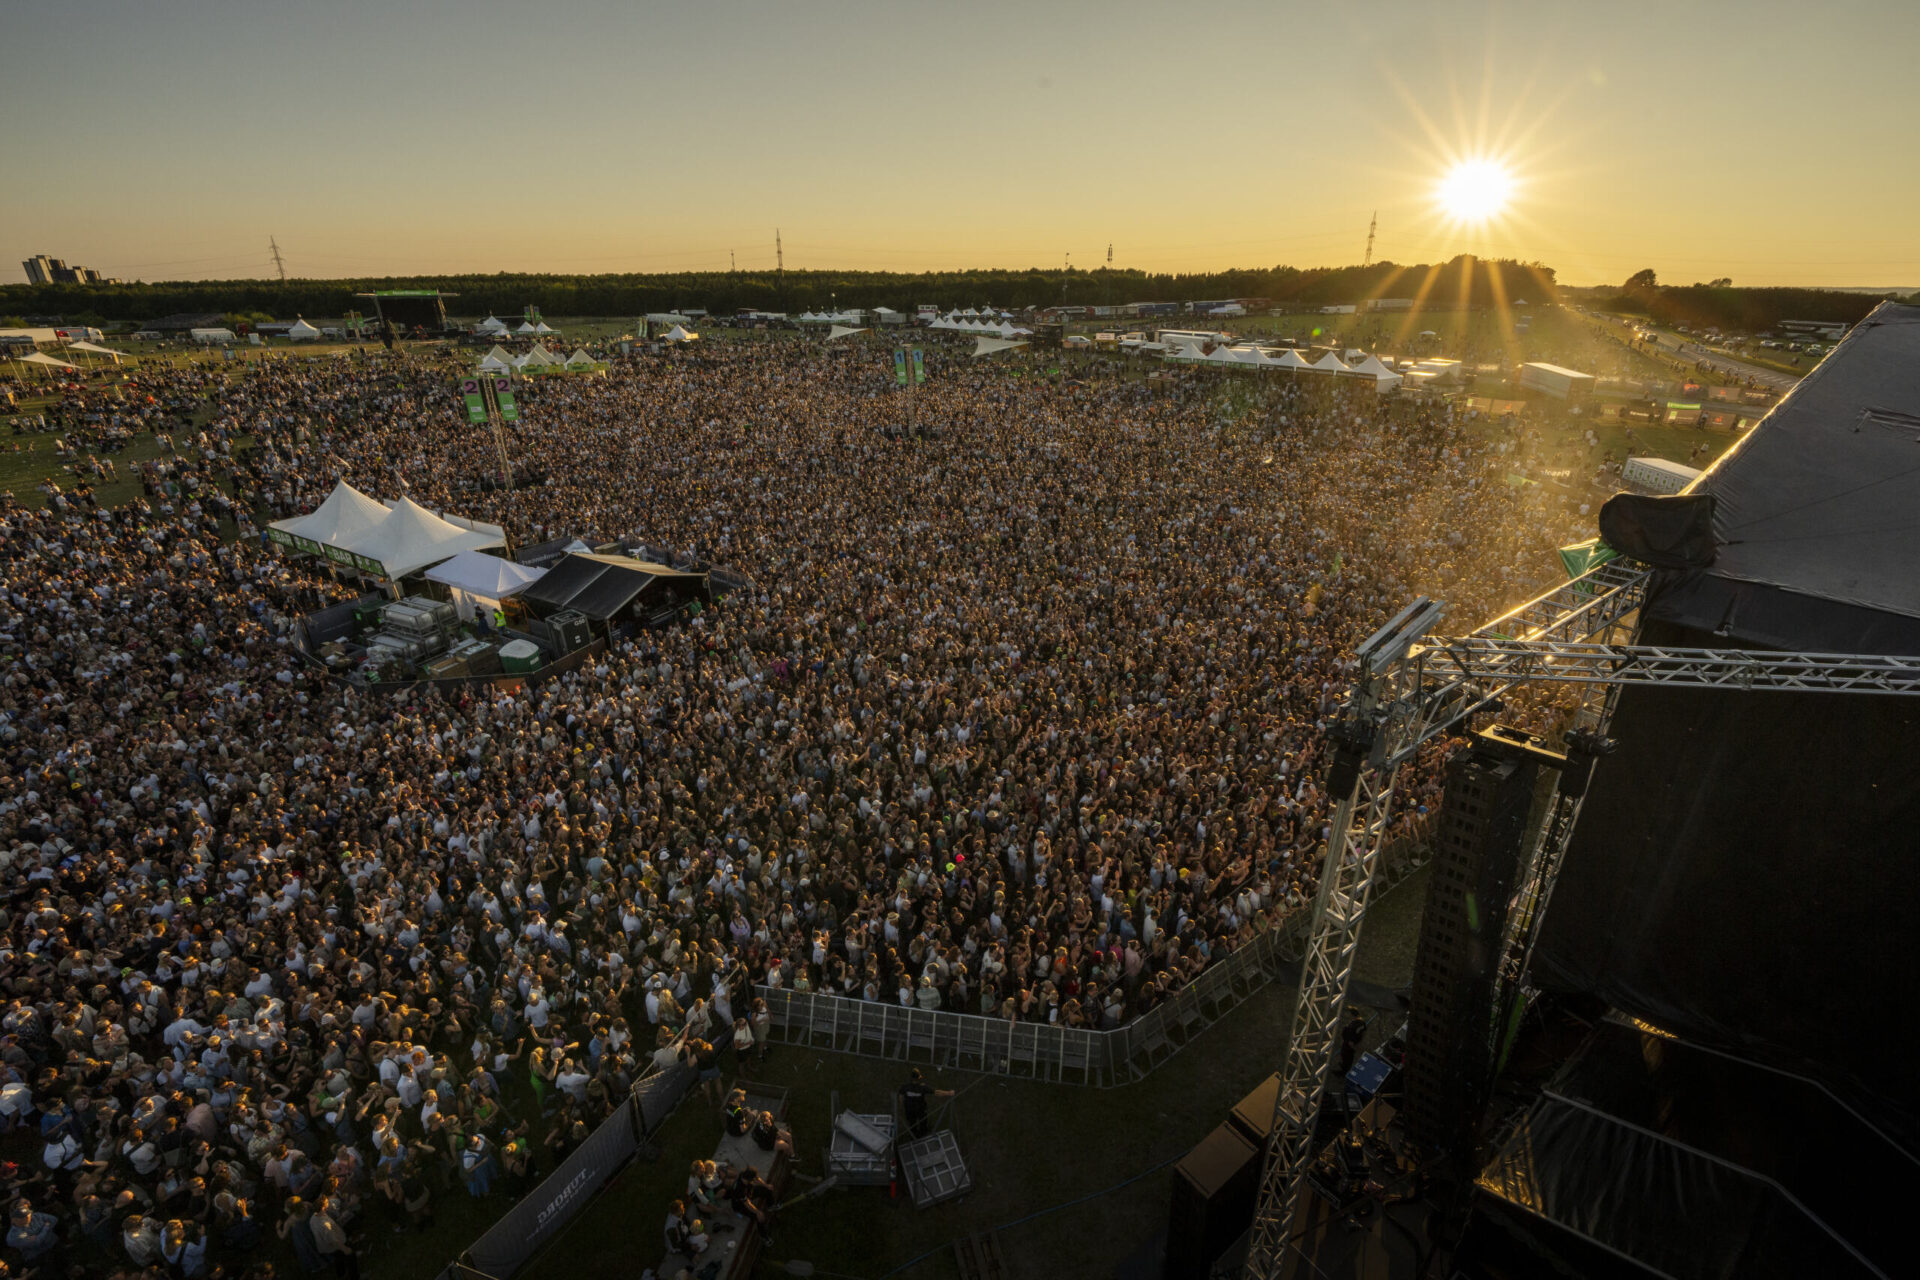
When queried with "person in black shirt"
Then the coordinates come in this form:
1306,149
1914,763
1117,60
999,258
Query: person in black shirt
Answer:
913,1102
1350,1037
738,1115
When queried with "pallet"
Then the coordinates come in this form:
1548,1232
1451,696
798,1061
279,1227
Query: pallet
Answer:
979,1257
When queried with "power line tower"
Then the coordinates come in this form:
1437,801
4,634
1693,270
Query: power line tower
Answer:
277,260
1373,225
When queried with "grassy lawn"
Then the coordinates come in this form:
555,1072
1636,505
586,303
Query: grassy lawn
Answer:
1031,1148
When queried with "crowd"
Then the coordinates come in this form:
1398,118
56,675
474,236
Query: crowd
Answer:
1025,719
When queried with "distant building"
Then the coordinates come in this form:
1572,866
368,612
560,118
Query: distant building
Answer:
1390,304
41,269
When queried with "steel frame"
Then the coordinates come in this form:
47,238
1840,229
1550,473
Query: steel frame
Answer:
1406,694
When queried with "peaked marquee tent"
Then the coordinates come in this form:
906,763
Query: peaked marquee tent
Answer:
301,331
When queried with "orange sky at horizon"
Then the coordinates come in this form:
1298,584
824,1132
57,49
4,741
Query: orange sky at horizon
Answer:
1702,140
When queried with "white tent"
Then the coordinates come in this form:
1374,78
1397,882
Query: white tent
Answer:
1289,359
841,331
1384,379
491,324
41,357
580,357
985,346
475,576
491,364
680,334
346,514
301,331
526,326
411,537
1329,363
94,349
501,354
542,328
540,357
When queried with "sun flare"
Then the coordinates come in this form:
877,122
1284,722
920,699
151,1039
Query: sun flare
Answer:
1474,191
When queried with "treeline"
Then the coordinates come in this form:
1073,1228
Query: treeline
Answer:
1735,310
1464,279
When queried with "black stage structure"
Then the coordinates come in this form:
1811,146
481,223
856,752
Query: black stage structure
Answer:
1712,1070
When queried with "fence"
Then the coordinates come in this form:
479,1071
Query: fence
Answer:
537,1220
1046,1051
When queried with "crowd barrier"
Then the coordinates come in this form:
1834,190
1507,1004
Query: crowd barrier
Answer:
965,1041
535,1221
1047,1051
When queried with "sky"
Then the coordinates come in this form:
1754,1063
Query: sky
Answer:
1768,143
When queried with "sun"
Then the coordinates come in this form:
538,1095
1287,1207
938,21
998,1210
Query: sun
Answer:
1475,191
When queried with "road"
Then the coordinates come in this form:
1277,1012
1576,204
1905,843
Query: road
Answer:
1770,378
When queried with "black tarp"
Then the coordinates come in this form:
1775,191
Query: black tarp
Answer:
1821,503
1670,532
611,592
1745,873
565,580
527,1227
1696,1165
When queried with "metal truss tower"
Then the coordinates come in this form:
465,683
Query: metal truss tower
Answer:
1410,690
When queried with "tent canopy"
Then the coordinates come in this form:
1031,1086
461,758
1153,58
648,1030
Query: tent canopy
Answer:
93,348
346,514
412,537
41,357
479,574
842,331
680,334
300,330
602,586
985,346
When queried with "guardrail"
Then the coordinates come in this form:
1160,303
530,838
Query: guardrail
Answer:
1047,1051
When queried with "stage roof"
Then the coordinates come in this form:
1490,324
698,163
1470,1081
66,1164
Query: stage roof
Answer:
1814,509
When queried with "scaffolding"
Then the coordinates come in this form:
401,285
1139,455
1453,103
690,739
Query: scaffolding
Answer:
1410,690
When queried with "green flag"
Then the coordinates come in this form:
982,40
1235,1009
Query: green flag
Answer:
476,406
900,365
919,366
503,396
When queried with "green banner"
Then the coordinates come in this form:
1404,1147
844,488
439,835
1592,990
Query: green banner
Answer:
307,545
503,397
1583,557
280,536
476,404
369,564
900,366
919,366
339,555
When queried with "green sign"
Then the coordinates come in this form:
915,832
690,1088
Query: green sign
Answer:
476,403
280,536
339,555
919,366
900,366
307,545
369,564
503,396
